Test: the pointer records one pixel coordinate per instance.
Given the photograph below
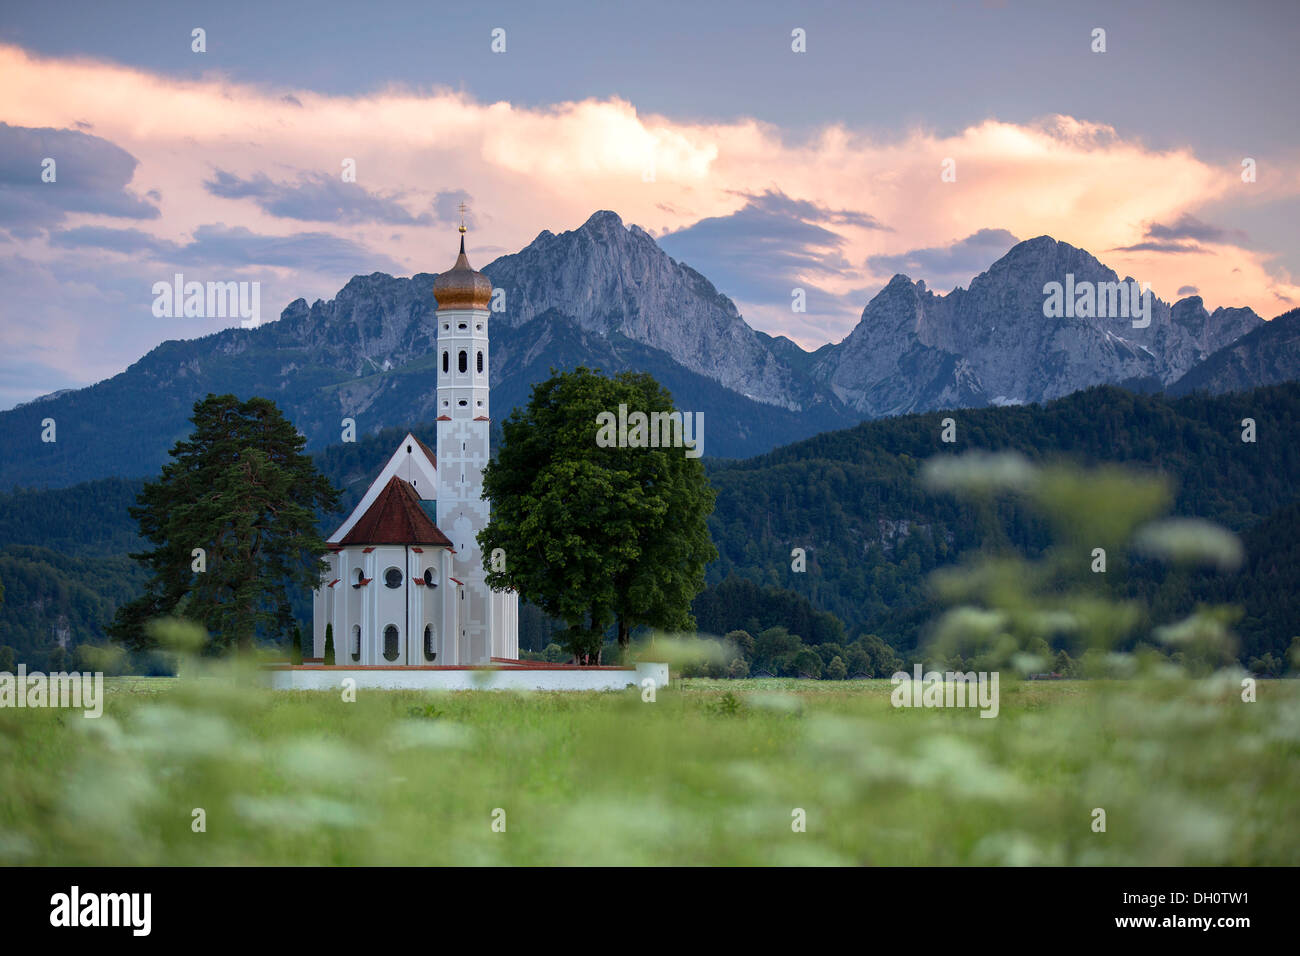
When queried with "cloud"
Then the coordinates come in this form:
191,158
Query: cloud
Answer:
772,245
446,207
1187,290
949,265
1188,226
88,315
90,176
1182,237
754,209
235,247
1172,248
766,244
315,197
238,247
126,241
776,203
317,251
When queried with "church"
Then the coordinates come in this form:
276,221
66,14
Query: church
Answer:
403,590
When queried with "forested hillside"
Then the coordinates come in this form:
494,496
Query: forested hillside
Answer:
850,499
872,534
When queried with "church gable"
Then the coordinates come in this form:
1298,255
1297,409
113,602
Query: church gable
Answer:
395,517
414,462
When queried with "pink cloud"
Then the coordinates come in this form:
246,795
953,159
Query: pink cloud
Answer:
530,169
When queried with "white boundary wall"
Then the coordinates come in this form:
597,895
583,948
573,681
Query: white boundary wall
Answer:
310,677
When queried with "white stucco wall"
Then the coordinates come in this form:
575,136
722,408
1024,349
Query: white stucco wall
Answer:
436,678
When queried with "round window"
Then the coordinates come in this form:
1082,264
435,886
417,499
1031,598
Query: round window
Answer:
428,578
393,578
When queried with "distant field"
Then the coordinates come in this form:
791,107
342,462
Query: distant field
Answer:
712,772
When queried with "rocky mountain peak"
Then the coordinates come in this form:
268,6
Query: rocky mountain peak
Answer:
610,279
602,220
995,343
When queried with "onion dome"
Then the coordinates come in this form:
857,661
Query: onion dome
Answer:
460,287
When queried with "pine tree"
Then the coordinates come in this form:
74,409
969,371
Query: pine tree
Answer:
232,521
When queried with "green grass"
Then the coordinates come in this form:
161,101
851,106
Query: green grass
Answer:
709,773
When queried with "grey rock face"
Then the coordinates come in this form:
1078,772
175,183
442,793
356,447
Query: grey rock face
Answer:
374,321
604,278
1268,355
607,296
913,350
612,279
992,344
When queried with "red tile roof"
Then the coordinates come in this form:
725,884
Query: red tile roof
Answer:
428,451
395,518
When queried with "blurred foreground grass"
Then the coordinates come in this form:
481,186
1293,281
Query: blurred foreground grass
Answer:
707,774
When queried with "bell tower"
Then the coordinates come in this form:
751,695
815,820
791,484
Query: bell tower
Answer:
464,302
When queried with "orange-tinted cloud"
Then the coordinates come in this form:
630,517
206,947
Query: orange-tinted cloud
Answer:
530,169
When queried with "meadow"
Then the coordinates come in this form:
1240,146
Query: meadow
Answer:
710,772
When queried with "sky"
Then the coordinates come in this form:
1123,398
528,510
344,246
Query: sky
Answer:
917,137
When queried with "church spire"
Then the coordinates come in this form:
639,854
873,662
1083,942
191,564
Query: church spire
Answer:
461,287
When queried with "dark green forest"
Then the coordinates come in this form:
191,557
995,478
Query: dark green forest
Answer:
850,499
872,534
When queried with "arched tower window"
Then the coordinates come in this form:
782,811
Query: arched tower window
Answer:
390,642
356,642
429,652
480,361
464,362
446,362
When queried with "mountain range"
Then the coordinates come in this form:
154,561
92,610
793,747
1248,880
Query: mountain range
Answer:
991,344
606,295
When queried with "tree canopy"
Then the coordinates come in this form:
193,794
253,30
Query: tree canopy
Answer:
232,521
597,536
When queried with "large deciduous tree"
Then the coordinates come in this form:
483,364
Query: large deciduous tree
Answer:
597,535
232,521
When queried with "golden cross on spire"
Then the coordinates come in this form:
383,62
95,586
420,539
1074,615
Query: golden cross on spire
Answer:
463,207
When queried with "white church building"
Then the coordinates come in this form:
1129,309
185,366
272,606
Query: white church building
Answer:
402,590
406,597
